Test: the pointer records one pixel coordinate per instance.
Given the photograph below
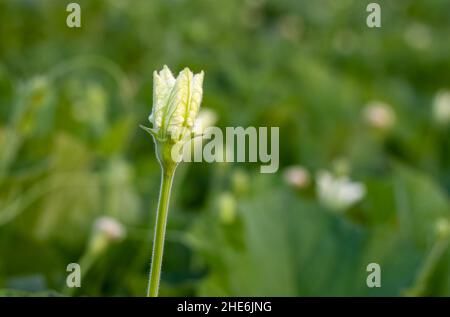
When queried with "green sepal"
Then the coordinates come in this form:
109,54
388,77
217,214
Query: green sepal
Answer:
151,131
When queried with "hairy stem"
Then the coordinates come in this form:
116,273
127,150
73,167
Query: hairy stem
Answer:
160,231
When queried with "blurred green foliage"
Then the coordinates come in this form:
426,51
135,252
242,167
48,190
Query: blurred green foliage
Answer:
71,101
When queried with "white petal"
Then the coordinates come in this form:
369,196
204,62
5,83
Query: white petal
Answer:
167,76
196,97
338,193
163,83
179,104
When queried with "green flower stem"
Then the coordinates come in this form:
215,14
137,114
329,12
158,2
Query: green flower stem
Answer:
160,230
428,268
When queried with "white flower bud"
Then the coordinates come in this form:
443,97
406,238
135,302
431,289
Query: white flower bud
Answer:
105,231
379,115
110,228
296,176
176,102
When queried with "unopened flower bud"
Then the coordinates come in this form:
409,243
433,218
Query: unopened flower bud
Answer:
296,176
379,115
110,227
176,102
106,230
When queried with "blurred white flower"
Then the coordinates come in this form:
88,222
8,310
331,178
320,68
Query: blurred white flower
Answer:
338,192
206,118
441,107
106,230
176,102
379,115
110,228
296,176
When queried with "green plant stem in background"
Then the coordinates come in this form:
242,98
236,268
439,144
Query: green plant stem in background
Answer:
160,230
421,284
